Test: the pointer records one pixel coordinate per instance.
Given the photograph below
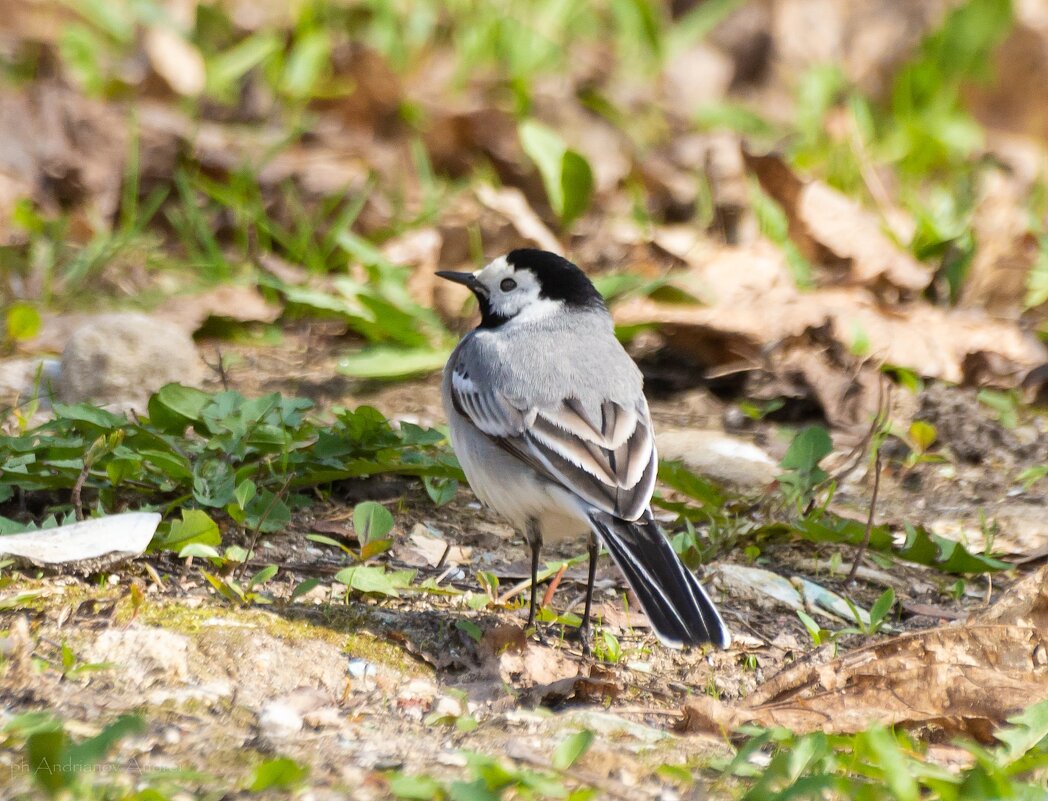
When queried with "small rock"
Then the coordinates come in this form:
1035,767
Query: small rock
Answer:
279,720
449,707
124,357
718,456
283,717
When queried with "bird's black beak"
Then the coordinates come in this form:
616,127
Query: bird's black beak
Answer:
466,279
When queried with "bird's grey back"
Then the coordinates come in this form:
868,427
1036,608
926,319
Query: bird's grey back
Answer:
541,363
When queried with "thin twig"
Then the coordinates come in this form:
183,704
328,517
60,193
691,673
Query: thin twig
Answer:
78,507
220,366
869,520
552,588
443,557
262,521
543,576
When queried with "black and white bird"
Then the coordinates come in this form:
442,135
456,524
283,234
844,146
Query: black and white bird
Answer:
549,421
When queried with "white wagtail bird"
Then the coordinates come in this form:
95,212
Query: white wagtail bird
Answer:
549,421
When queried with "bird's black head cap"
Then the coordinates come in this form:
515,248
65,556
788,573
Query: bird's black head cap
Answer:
558,277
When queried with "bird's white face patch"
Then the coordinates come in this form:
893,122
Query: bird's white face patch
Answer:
515,293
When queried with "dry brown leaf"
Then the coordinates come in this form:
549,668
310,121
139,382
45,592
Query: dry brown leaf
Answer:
598,687
61,150
426,549
512,205
1005,251
754,304
176,60
243,304
420,250
962,679
965,679
1019,62
834,231
1025,603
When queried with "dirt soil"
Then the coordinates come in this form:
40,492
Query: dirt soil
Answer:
360,687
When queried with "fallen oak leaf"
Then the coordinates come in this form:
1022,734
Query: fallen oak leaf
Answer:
752,303
967,679
833,230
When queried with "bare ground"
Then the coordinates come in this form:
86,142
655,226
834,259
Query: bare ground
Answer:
360,687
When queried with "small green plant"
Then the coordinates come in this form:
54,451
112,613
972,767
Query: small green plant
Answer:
485,778
817,633
375,580
62,767
248,593
571,748
1032,475
205,454
565,173
281,773
1005,405
802,475
72,668
606,647
758,410
881,763
920,437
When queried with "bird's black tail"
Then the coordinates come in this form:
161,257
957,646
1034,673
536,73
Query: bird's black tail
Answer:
680,611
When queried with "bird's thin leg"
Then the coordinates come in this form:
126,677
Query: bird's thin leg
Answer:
584,629
534,535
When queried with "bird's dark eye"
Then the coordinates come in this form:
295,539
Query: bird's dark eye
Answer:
508,285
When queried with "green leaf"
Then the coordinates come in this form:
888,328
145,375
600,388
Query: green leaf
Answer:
882,606
214,482
173,408
195,528
814,629
86,413
245,491
262,576
45,749
922,435
476,790
1028,729
414,788
386,363
680,478
199,549
895,768
281,773
809,447
228,67
440,490
571,748
306,63
475,632
23,322
372,521
363,578
93,750
576,180
565,174
303,587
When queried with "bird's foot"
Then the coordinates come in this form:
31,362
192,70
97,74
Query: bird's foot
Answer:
534,630
583,635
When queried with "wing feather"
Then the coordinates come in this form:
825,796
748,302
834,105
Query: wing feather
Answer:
610,463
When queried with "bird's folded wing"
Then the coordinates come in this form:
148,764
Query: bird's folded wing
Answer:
610,462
